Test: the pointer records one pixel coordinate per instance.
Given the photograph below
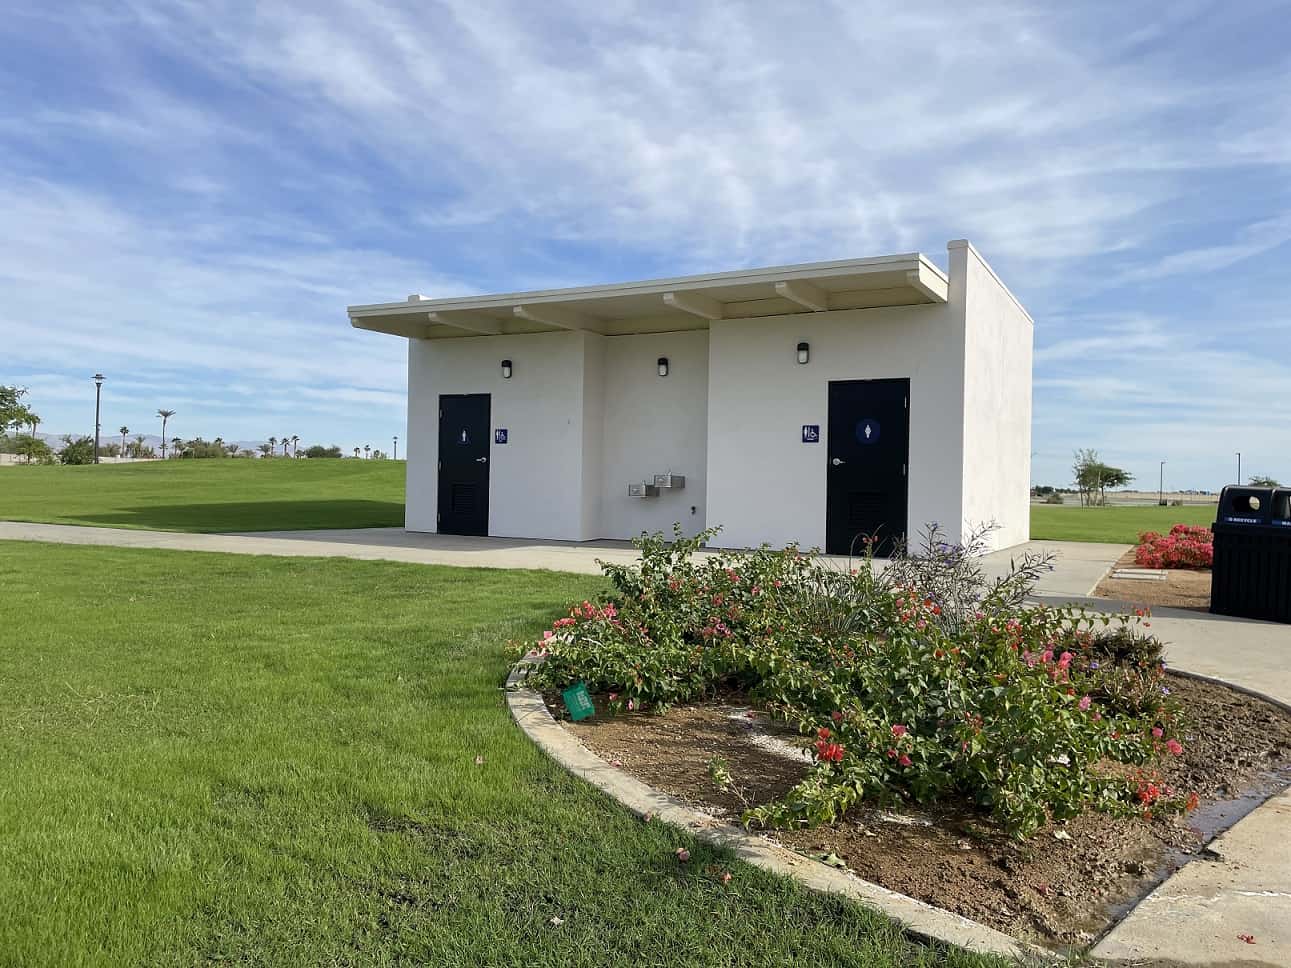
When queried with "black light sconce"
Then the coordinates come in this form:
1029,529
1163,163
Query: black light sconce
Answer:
506,369
804,352
663,366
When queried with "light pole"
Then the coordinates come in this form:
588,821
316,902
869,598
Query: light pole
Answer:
1239,466
98,393
396,446
1161,487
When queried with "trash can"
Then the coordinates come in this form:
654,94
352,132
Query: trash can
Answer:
1251,574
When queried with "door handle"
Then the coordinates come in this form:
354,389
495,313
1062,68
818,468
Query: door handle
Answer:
837,462
481,460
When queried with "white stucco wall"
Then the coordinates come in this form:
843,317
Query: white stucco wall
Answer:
536,484
653,424
764,484
997,395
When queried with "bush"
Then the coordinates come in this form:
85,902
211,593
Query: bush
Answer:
1186,546
319,451
78,451
920,682
1054,498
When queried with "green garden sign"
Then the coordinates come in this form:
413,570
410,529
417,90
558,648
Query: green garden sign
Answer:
578,701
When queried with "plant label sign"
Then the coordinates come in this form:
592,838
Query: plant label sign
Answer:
811,433
500,435
578,701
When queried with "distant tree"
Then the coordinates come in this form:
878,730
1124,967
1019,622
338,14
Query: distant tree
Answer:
77,451
176,443
200,449
1262,480
35,450
164,415
232,449
295,446
367,450
266,449
356,452
1093,477
13,413
380,455
123,430
273,442
318,450
285,442
109,450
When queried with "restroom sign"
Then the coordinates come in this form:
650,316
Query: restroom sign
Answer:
463,436
867,431
500,435
811,433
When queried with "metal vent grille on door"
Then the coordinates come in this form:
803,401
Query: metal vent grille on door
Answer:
862,506
462,500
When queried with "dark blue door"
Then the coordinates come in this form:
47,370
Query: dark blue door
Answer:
868,455
464,463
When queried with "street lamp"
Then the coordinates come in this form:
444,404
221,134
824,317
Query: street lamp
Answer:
1161,487
98,393
396,446
1239,466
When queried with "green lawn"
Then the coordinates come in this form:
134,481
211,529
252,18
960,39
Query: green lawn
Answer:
209,495
271,761
1119,525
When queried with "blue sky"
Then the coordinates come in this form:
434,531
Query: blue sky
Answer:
192,192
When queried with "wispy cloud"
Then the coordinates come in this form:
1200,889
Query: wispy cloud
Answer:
194,189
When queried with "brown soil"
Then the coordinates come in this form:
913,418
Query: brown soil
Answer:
1184,588
1063,886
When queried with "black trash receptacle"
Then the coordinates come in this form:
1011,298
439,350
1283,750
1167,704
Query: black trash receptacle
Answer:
1251,575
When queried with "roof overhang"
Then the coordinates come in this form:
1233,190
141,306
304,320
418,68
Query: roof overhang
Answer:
665,305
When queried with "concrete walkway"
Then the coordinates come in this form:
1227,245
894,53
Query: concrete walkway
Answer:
1194,918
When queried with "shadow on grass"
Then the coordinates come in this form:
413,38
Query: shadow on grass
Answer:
251,516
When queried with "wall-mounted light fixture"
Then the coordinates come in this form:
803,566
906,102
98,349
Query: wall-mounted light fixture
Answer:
804,352
506,369
663,366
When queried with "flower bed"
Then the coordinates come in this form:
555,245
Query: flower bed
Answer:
1185,546
918,684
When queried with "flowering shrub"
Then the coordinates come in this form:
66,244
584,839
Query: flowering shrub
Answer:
1186,546
1029,713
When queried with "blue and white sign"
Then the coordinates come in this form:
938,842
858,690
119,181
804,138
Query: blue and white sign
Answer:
500,435
867,431
811,433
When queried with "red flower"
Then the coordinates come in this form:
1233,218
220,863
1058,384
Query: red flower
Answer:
836,716
904,760
898,730
829,752
824,733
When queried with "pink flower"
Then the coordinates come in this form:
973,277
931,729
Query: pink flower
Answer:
631,705
836,716
726,877
904,760
1084,703
1174,746
613,696
898,730
1158,732
547,634
683,854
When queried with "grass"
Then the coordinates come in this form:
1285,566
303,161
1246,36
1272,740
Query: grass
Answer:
209,495
265,761
1116,524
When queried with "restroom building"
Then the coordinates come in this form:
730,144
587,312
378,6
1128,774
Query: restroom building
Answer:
816,404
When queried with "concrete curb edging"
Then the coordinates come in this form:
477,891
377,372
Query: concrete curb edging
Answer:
919,919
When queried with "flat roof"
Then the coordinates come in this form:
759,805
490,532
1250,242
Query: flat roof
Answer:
665,305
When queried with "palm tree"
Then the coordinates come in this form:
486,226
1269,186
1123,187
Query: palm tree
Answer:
138,445
176,445
273,442
285,442
124,430
164,415
367,450
32,421
295,446
356,452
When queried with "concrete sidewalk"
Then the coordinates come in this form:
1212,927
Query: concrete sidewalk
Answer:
1078,568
